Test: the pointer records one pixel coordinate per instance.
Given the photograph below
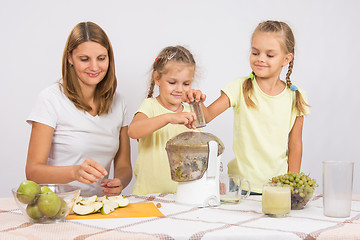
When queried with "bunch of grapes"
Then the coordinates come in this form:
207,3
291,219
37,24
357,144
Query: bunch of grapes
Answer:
302,188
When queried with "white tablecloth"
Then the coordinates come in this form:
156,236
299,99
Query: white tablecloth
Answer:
242,221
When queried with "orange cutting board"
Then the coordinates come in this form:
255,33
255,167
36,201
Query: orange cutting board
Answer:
133,210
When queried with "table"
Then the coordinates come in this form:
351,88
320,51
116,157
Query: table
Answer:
242,221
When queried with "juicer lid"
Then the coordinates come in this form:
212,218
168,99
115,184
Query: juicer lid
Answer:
193,141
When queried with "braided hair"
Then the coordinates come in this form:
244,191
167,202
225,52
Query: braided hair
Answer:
172,53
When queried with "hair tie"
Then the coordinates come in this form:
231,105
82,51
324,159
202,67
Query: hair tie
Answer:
293,87
251,76
155,59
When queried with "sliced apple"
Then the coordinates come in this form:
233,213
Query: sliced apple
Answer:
99,199
88,200
110,202
106,209
97,206
78,199
83,209
121,200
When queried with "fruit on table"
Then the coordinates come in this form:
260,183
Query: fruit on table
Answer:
94,204
42,202
49,204
63,209
45,189
302,188
33,211
27,191
83,209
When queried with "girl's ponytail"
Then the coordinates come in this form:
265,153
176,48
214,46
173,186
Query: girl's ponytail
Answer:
248,89
299,100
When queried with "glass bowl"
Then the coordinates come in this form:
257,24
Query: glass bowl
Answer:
301,196
49,207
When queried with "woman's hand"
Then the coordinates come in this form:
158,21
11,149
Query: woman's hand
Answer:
112,187
89,171
193,95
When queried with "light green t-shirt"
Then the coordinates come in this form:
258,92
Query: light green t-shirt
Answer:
152,169
261,134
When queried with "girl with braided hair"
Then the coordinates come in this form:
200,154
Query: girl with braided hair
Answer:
268,112
160,118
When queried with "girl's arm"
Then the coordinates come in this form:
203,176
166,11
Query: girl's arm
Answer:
216,108
38,171
141,125
122,167
212,111
295,145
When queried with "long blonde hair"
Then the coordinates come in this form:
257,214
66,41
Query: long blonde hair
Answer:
288,44
177,53
105,90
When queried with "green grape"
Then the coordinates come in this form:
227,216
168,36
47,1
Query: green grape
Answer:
302,187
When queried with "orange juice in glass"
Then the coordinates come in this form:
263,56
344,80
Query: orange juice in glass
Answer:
276,200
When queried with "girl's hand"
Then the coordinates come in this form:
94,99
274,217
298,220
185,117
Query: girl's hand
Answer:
112,187
89,171
186,118
193,95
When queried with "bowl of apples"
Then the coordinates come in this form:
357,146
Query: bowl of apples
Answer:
45,203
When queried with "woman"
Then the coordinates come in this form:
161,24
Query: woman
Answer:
79,124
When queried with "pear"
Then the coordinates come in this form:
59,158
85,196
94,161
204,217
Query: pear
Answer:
33,211
27,191
49,204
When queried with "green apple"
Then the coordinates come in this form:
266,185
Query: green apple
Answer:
45,189
27,191
49,204
33,211
63,209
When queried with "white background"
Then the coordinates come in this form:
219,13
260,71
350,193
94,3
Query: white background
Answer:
33,35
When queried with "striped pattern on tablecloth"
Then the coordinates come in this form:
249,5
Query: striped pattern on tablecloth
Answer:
242,221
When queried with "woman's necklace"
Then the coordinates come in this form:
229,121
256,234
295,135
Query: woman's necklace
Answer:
167,107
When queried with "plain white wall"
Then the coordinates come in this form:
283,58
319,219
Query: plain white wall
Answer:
33,35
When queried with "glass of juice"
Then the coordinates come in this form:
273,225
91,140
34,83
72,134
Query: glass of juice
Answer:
276,200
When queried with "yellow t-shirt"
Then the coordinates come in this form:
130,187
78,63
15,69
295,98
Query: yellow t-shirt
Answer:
261,134
152,169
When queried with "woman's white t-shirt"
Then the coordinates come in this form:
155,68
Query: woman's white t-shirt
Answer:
79,135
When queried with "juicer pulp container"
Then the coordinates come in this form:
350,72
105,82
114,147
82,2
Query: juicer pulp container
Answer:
188,155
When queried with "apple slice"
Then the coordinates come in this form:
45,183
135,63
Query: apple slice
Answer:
121,200
83,209
96,205
78,199
106,209
99,199
110,202
88,200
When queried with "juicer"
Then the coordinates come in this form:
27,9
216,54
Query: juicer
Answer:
194,159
